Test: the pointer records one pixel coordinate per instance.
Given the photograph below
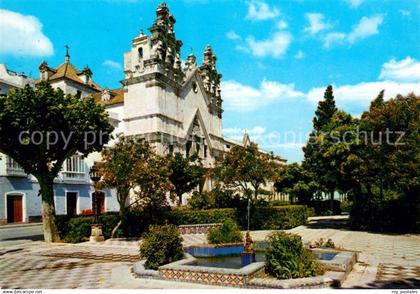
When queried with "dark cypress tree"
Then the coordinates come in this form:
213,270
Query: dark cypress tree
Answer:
325,111
314,161
378,101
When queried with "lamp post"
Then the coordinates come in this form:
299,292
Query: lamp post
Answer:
96,228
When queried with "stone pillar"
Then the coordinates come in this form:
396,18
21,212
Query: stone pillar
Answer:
96,234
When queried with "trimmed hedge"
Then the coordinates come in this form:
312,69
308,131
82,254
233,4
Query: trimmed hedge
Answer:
77,229
275,218
323,207
181,216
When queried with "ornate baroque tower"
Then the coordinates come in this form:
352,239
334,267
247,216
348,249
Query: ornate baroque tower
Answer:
178,109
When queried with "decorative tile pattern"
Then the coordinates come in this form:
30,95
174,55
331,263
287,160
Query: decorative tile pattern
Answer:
390,275
197,228
204,277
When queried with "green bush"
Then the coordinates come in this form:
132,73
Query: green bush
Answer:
199,201
216,198
382,215
286,258
279,202
275,218
323,207
345,206
227,233
181,216
161,245
323,244
77,229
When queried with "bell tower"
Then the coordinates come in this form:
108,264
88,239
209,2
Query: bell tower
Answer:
153,76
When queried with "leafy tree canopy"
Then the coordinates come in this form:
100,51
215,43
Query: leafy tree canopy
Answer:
246,168
187,173
41,127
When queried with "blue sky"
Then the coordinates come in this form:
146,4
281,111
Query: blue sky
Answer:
276,57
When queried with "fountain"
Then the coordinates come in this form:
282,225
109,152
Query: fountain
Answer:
248,255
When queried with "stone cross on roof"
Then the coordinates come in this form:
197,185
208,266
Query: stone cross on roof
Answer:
67,53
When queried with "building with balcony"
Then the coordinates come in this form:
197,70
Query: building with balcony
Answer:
19,199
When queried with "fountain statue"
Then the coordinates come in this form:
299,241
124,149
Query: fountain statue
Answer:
248,255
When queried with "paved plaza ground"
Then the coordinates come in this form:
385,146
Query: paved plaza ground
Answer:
385,261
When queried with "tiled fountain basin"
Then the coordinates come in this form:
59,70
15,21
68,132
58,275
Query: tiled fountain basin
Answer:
186,270
338,263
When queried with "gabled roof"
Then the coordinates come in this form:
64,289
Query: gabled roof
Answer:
116,97
69,71
197,115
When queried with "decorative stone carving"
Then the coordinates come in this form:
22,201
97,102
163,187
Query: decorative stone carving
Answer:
211,80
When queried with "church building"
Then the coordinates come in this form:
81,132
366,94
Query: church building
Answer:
176,107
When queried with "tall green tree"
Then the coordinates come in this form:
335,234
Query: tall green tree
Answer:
378,101
325,111
313,155
246,169
40,128
187,173
386,165
118,170
153,184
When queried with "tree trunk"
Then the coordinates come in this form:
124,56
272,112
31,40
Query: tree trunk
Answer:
332,200
179,199
122,196
48,210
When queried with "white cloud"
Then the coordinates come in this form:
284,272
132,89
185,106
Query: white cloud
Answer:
299,55
316,23
112,64
22,35
237,134
256,130
406,70
259,10
396,77
332,38
232,35
275,46
366,27
355,3
362,93
282,24
240,97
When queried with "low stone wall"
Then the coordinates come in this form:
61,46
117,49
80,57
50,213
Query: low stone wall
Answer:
342,262
197,228
303,283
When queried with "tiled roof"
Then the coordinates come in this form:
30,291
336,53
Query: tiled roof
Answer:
116,97
69,71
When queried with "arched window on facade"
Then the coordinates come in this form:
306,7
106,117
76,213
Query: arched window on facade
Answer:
140,51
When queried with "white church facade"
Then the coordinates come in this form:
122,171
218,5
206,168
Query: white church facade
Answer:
175,107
